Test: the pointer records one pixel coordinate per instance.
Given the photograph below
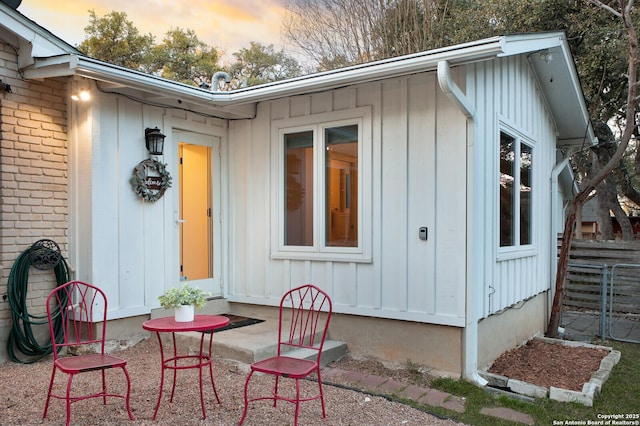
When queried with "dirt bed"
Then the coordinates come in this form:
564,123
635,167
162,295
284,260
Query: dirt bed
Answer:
547,364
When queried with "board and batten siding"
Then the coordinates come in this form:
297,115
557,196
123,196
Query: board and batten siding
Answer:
417,178
118,241
506,91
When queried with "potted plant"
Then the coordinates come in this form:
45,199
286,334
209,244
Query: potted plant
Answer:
184,300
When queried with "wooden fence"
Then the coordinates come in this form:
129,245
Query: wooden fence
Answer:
591,260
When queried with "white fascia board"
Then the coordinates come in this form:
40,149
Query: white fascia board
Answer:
517,44
425,61
42,42
51,67
403,65
408,64
577,91
69,65
72,64
97,70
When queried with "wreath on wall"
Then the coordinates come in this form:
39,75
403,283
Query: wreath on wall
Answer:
150,179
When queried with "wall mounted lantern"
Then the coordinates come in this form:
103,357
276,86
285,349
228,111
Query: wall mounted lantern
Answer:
154,141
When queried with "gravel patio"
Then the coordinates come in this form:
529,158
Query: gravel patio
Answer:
23,392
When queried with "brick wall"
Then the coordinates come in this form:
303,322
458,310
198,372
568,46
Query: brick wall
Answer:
33,178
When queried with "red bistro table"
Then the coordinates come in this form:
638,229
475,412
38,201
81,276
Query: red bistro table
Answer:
200,323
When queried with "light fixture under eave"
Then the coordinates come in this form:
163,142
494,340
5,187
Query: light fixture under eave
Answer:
83,95
546,56
154,140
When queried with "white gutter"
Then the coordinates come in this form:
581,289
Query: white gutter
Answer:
403,65
419,62
470,333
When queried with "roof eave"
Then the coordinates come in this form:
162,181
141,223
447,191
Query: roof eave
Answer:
68,65
32,39
558,79
241,103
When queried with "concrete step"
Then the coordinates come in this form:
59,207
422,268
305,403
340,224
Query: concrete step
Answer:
256,342
332,350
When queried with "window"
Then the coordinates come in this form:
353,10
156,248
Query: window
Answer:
298,188
323,167
341,186
516,160
339,144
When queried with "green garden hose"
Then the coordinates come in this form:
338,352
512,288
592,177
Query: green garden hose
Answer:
21,336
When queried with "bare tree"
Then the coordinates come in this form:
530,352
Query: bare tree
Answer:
622,12
332,31
337,33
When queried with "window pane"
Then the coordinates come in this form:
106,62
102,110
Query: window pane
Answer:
298,187
341,171
507,194
526,159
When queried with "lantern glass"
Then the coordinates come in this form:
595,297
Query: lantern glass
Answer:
154,141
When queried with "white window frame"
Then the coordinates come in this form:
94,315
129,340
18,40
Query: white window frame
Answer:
319,250
517,250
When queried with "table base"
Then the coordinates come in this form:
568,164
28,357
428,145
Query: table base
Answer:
172,363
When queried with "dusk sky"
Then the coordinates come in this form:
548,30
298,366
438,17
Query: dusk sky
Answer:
228,25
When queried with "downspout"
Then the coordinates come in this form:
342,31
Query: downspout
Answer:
470,333
452,91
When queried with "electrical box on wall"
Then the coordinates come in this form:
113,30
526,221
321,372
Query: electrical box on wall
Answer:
422,233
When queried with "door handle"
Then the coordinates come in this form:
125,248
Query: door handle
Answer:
177,219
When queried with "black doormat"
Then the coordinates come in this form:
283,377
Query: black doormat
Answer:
236,321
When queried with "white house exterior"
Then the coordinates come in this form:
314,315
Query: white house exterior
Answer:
428,129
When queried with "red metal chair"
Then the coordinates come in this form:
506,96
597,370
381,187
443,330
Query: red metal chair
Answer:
305,312
77,315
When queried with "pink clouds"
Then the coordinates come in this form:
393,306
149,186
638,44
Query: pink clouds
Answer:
228,25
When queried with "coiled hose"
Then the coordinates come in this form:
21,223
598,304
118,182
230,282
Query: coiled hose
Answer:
21,336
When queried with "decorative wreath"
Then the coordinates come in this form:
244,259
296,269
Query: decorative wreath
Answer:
140,180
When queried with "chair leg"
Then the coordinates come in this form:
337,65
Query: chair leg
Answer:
46,404
246,398
324,415
68,398
295,418
275,392
126,374
104,388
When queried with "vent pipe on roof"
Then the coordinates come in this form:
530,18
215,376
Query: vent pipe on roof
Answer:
215,80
